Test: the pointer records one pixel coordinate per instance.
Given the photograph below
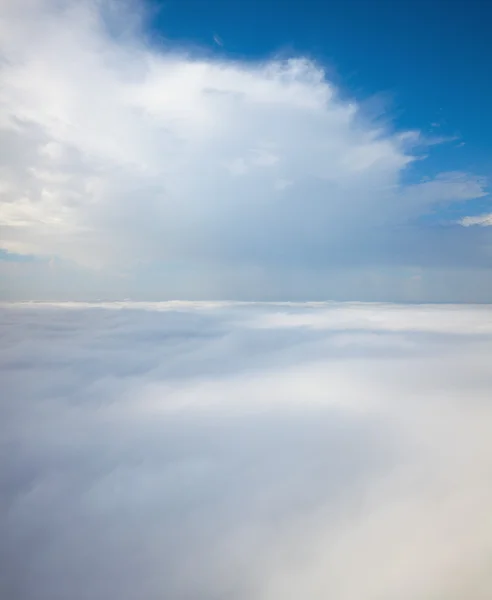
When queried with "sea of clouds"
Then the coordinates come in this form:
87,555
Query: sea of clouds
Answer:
210,451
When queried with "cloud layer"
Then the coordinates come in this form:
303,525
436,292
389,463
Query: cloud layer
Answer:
239,451
144,161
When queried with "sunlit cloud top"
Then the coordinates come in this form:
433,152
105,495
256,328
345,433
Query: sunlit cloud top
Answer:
151,163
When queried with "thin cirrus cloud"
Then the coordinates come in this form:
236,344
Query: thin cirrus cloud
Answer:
259,451
120,157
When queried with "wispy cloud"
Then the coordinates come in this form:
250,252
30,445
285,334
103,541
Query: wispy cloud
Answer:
482,220
218,40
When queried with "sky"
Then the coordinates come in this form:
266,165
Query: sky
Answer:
245,150
245,275
245,451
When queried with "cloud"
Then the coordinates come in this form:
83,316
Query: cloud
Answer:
482,220
119,154
218,40
260,451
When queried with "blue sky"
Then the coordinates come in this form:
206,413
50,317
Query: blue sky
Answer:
425,64
246,150
430,58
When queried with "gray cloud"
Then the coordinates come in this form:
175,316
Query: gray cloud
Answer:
256,451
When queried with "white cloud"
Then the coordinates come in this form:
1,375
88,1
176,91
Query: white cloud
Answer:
482,220
256,451
118,153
